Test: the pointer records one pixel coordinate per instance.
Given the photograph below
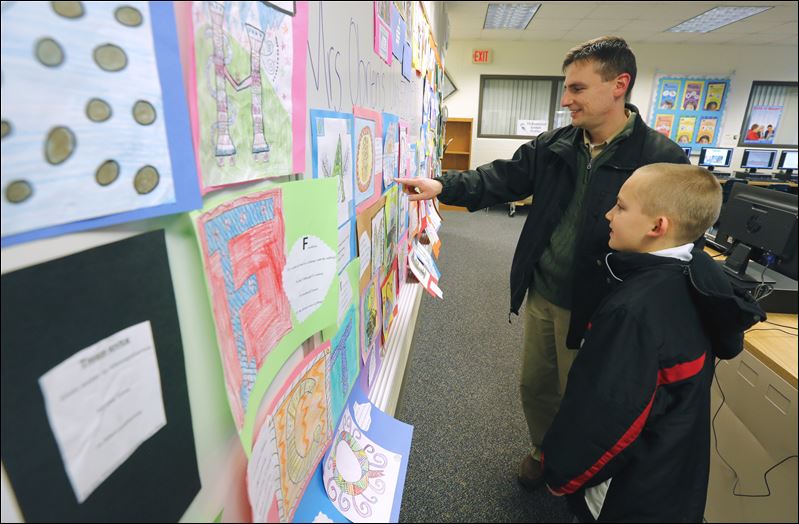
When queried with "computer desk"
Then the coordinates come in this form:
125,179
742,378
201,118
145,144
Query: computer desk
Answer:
761,183
754,414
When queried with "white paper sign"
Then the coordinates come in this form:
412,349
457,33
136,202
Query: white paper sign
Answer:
364,252
343,254
378,163
530,127
310,268
344,295
378,237
103,402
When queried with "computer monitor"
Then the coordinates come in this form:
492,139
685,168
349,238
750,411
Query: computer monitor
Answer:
755,159
760,218
687,151
788,161
711,157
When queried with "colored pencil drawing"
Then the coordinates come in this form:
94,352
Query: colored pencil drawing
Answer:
90,131
368,150
344,363
246,105
243,245
390,150
331,143
303,428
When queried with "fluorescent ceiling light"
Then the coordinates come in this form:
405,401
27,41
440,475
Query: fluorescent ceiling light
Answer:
509,16
715,18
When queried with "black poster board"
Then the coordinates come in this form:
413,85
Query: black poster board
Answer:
50,312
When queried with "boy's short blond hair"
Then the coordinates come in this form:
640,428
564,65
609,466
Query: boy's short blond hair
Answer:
689,196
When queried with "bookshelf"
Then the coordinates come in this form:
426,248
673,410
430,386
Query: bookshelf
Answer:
458,154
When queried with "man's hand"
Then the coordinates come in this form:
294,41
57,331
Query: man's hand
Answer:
420,188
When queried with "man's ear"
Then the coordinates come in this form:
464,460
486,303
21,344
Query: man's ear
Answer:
660,227
622,83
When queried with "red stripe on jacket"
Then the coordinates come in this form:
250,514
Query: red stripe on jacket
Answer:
670,375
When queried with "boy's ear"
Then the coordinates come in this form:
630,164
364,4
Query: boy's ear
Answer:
660,227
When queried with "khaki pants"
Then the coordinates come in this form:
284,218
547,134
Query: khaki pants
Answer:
545,365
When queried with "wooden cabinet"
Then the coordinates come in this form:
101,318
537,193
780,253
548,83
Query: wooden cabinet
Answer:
458,139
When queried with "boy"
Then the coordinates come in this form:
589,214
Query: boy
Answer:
631,441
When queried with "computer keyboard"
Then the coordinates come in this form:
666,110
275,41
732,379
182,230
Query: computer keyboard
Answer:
756,177
721,176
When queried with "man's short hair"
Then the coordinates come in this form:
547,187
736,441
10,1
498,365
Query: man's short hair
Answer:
611,55
690,196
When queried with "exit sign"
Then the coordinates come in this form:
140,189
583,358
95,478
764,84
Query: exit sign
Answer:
481,56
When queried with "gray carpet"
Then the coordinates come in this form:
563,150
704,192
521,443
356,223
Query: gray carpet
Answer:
461,389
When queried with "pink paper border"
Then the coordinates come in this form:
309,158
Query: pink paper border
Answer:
184,20
376,117
299,26
378,25
299,88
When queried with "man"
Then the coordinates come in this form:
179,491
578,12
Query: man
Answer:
574,174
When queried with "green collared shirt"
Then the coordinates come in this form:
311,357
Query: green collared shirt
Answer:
553,274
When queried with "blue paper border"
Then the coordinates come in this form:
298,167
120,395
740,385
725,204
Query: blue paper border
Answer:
178,129
323,113
389,119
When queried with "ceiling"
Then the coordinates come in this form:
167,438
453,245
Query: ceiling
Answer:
634,21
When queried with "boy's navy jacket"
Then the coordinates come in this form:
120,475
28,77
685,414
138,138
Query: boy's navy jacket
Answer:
637,404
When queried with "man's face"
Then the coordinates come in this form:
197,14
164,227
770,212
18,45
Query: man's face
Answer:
589,98
628,223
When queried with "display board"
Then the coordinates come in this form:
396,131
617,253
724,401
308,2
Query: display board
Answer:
248,375
689,110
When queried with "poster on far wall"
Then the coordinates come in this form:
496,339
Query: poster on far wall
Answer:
707,130
715,95
668,95
685,129
689,109
663,124
692,95
762,125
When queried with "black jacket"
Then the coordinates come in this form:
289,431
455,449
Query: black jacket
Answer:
637,402
546,168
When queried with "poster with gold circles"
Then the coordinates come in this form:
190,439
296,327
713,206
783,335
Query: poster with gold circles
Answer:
95,123
368,137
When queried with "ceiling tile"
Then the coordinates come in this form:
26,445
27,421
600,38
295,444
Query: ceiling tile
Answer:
636,21
561,10
500,34
552,23
599,26
756,39
791,28
555,34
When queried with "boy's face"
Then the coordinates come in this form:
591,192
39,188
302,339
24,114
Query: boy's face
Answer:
588,97
629,225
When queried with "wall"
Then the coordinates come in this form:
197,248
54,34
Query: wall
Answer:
342,70
742,63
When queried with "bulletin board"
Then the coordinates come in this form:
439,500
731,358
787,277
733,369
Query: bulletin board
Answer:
689,110
346,63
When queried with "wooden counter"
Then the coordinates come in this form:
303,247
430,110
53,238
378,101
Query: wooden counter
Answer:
775,346
776,349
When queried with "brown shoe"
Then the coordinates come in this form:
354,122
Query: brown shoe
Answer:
531,475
